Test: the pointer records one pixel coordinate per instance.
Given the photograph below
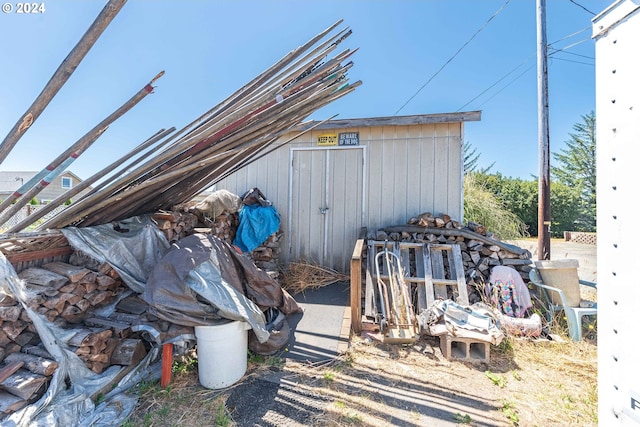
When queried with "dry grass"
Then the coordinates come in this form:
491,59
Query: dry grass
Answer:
303,275
526,383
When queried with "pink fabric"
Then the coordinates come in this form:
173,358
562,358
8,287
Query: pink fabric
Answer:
508,291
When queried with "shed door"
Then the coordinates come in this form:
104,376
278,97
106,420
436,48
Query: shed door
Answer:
326,206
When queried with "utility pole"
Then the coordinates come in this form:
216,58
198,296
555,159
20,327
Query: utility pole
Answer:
544,197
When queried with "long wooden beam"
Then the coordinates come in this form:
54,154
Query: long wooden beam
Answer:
61,75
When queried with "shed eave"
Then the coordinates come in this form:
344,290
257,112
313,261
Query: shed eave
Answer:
468,116
613,15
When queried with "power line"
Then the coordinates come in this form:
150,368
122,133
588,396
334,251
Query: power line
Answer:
507,85
570,35
575,62
494,84
563,50
579,5
454,55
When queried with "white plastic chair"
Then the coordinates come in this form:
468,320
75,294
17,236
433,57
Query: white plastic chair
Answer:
573,314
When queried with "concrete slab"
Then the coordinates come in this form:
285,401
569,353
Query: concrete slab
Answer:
321,332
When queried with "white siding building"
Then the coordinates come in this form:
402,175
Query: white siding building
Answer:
617,35
343,175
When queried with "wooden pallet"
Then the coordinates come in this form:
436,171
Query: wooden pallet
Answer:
437,280
436,267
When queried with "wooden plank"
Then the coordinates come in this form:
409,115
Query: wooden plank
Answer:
370,309
458,267
437,270
35,255
414,254
428,277
400,120
356,286
421,270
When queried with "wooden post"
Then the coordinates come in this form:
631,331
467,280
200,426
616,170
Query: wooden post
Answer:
61,76
356,287
544,195
167,362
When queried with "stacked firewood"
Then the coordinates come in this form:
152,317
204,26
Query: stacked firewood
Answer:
225,225
66,291
266,255
175,224
24,378
481,251
65,294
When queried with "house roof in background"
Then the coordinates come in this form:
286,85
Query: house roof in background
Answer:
10,180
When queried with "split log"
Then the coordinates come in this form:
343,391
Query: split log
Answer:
89,337
26,338
128,352
10,403
71,272
120,329
98,297
25,385
43,277
13,329
10,313
37,350
10,369
132,305
35,364
72,314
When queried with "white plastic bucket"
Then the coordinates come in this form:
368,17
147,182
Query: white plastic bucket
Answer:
562,274
222,353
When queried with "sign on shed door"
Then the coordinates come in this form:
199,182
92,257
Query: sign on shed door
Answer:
326,205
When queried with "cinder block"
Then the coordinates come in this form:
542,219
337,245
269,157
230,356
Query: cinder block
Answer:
465,349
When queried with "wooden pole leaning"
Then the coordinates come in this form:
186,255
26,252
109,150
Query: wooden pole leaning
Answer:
61,75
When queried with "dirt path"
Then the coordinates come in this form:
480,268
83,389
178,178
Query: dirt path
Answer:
526,383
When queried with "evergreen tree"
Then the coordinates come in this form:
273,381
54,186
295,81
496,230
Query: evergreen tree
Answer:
577,169
471,157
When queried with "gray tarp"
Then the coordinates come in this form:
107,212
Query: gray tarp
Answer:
67,401
132,248
202,270
202,279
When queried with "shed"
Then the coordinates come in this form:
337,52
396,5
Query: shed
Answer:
342,175
616,32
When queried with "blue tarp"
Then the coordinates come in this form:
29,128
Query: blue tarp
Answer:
257,223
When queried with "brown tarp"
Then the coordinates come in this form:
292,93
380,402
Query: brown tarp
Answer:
202,279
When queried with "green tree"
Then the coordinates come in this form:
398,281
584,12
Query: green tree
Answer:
34,201
471,157
520,197
576,169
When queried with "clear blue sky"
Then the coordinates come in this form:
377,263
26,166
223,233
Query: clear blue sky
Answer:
211,48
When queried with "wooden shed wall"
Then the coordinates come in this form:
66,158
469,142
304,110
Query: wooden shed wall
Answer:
407,170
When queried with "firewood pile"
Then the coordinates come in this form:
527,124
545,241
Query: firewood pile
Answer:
68,295
183,220
480,249
175,224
